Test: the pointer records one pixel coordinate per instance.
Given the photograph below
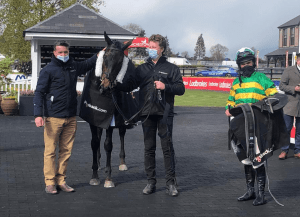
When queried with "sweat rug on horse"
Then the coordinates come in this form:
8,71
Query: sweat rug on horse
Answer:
97,105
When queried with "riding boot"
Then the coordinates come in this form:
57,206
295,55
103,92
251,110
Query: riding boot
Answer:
250,179
261,182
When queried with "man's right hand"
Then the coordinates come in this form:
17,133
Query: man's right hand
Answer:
297,88
39,121
227,113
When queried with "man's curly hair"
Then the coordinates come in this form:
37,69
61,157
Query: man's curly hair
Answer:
161,41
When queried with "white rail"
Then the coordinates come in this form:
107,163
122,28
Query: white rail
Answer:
17,86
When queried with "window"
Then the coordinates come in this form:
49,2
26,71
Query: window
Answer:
222,68
292,36
284,37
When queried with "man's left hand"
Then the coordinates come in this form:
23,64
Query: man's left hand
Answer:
159,85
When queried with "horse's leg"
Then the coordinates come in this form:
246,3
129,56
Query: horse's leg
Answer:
122,131
108,149
95,144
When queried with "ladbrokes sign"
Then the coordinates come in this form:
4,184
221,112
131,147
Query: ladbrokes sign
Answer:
219,84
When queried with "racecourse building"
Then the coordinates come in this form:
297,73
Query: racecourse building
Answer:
288,43
82,27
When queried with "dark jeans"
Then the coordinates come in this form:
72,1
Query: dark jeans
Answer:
289,120
150,127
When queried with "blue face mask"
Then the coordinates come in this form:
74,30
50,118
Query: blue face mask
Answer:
153,54
63,58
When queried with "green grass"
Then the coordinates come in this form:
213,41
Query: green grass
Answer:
202,98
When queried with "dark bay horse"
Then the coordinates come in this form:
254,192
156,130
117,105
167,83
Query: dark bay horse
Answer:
98,105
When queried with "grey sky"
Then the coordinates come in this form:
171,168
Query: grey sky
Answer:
231,23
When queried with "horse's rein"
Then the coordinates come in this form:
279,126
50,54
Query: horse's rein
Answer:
127,121
152,95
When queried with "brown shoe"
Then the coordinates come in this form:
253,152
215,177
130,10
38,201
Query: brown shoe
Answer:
297,155
66,188
283,155
50,189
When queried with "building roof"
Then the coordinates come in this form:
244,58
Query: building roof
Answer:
282,51
292,22
78,19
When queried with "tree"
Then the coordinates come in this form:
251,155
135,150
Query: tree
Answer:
139,51
254,49
200,48
135,28
218,52
18,15
185,54
168,51
15,21
5,69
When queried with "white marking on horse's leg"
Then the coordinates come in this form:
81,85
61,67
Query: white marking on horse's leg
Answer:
109,184
95,181
123,167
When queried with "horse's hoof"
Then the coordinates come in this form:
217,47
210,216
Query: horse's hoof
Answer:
109,184
123,167
95,181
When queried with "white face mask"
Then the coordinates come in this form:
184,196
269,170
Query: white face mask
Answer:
153,54
63,58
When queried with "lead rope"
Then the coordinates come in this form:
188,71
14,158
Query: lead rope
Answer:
269,186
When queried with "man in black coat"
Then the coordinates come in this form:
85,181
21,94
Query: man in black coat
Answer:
159,81
55,105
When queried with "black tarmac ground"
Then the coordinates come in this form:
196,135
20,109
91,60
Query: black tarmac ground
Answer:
209,176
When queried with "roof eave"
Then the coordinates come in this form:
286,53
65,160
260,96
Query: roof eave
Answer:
286,26
78,36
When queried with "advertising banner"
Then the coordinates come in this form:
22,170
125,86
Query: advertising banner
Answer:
140,42
218,84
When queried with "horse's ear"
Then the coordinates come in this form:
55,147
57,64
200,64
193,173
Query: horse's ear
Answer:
127,45
107,39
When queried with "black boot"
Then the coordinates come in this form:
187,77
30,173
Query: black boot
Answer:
250,178
172,191
149,189
261,182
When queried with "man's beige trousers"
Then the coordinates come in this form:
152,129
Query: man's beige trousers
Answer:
58,132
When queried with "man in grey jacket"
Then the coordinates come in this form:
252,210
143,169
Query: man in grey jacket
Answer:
290,84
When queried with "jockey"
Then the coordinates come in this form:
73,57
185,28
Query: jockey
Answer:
250,87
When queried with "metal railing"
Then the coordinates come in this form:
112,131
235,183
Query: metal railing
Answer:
188,71
272,73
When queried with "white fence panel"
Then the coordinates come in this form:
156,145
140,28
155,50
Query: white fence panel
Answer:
16,86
